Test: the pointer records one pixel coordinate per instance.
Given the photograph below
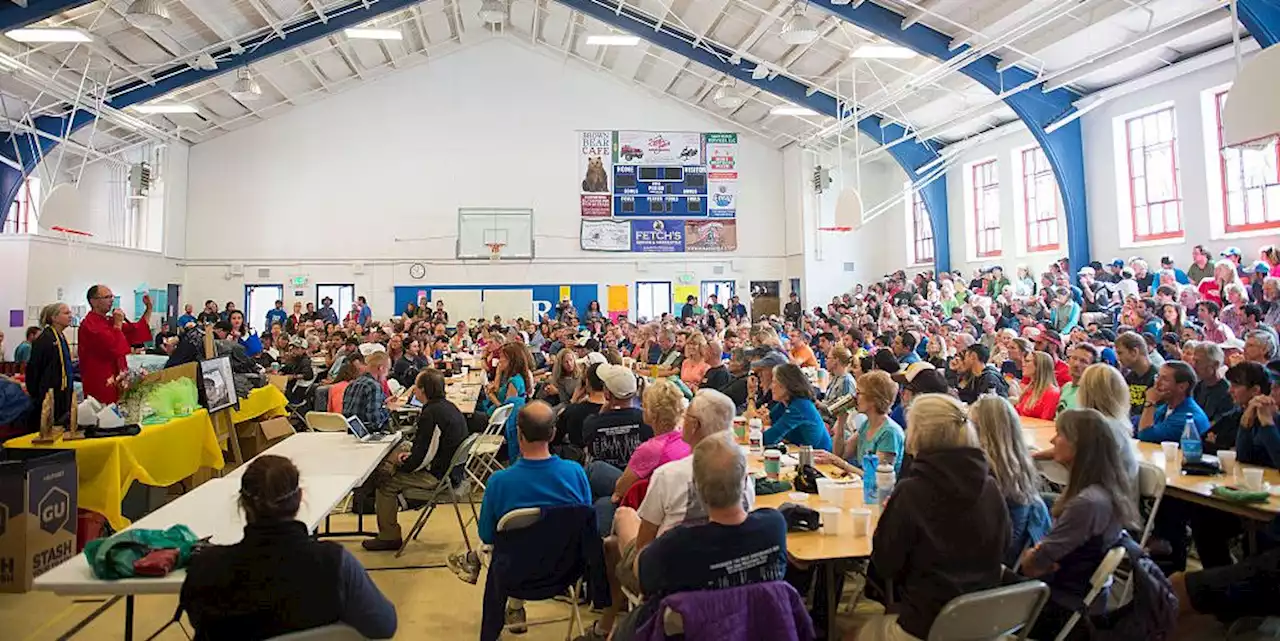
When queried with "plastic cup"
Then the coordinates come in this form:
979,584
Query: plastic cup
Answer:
1253,479
772,464
861,522
832,524
826,490
1170,453
1227,458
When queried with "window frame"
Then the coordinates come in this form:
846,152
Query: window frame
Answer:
920,235
977,211
1129,150
1031,176
1218,97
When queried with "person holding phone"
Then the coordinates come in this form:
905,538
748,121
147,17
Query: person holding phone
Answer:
105,338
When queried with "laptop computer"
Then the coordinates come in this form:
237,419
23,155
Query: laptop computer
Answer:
362,433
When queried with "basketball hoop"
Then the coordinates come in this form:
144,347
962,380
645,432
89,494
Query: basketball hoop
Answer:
74,238
495,250
838,230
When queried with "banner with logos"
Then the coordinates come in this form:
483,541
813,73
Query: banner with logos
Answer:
657,236
722,175
606,235
658,148
711,235
595,171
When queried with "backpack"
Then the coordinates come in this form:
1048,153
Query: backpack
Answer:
1153,612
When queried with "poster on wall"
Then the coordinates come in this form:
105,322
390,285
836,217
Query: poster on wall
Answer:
722,175
659,148
657,236
711,235
606,236
595,166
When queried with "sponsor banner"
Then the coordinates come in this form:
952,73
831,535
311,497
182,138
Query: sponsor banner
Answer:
606,236
657,236
595,167
659,148
722,175
711,235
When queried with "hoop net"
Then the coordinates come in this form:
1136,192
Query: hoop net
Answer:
495,250
74,238
838,230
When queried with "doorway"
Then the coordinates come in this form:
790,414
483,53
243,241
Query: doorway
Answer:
653,299
174,306
723,290
343,295
258,300
764,298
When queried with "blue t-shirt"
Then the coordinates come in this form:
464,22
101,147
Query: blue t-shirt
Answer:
908,358
799,422
889,438
185,319
517,402
1169,424
541,483
276,316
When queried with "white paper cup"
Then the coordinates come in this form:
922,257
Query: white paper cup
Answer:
1227,458
1253,479
1170,453
832,524
861,522
465,370
826,490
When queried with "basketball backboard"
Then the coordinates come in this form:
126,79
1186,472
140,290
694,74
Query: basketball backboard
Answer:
479,228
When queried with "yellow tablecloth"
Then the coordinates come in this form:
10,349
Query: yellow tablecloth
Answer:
264,402
160,455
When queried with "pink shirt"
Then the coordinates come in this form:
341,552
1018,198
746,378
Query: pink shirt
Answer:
692,372
658,451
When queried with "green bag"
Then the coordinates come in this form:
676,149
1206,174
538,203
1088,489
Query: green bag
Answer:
1240,495
112,558
172,400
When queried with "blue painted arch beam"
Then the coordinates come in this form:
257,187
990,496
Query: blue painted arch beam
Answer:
909,154
1262,19
1063,148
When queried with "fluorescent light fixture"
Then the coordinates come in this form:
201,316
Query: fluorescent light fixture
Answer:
792,110
883,52
364,33
614,40
168,108
48,35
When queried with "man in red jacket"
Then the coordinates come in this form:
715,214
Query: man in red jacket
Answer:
105,337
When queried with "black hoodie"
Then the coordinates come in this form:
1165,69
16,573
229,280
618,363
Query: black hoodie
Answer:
942,534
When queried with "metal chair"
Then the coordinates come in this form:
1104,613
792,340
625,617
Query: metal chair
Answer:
1006,611
447,488
326,422
484,460
333,632
519,519
1097,583
1151,486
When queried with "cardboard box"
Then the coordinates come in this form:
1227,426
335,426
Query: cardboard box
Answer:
257,436
38,503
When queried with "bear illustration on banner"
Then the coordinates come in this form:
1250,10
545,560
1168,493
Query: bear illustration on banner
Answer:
596,180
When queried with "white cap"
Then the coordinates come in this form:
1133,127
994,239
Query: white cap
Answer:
618,380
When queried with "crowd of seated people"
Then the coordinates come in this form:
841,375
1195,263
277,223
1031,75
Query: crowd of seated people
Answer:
635,418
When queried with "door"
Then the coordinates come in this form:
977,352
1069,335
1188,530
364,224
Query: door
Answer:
764,298
722,289
653,299
343,295
174,307
258,300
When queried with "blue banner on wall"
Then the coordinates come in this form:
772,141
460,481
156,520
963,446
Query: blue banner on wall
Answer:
657,236
545,297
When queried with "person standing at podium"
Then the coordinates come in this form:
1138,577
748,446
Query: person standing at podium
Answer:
105,337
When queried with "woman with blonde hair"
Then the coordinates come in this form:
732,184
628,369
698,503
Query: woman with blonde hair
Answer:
695,364
1040,396
664,406
1001,436
876,433
917,543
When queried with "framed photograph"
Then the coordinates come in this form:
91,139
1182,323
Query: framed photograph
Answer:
219,388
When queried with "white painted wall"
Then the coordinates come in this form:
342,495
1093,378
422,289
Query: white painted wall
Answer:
491,126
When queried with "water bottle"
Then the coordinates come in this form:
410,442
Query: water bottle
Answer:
870,463
1192,447
884,482
755,435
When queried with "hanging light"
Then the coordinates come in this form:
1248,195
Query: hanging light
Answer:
798,29
148,15
246,87
727,96
493,11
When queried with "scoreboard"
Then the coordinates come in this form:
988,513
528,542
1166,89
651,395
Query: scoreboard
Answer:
659,191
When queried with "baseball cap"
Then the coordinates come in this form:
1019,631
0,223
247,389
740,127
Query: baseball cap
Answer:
1166,260
773,359
1117,263
1086,271
1230,251
593,358
929,381
1103,334
619,380
1261,267
912,371
1050,336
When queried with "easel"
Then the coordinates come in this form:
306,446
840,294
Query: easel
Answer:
223,427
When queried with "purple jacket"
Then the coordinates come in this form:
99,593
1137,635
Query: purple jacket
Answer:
770,611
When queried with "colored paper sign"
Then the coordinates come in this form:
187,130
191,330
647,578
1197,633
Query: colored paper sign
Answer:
606,236
722,175
658,148
595,166
711,235
657,236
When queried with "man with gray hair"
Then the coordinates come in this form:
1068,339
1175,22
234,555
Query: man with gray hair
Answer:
1260,345
669,502
1210,392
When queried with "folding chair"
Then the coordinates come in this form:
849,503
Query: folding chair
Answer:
484,461
326,422
333,632
1008,611
1097,583
447,488
1151,486
525,518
